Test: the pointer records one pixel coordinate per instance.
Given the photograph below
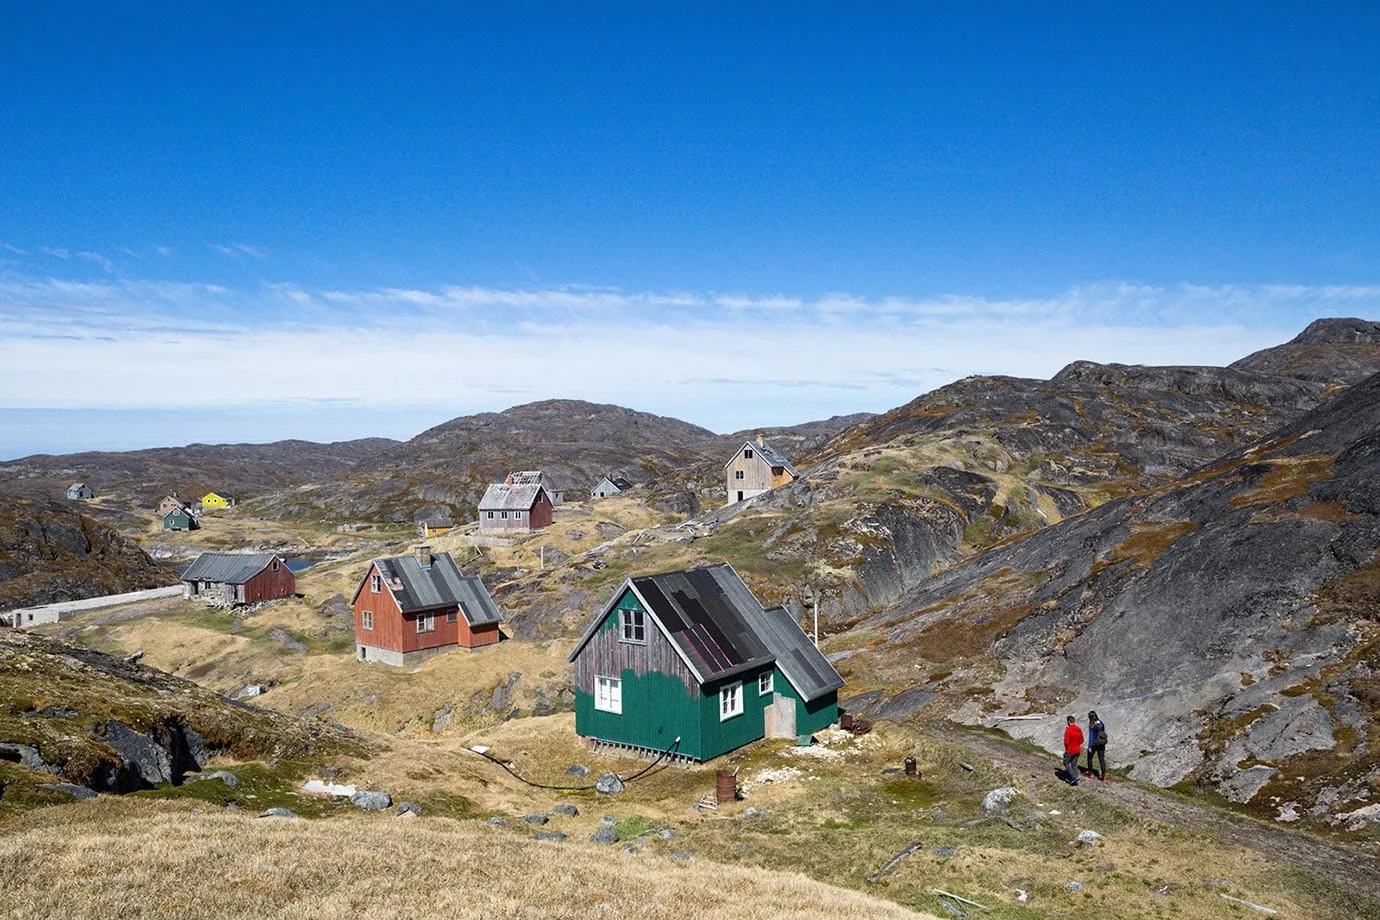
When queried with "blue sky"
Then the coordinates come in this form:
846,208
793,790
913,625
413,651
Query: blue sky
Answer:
255,222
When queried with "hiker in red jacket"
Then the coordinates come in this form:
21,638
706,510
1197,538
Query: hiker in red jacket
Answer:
1073,746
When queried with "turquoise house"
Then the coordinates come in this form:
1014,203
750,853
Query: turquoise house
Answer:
690,663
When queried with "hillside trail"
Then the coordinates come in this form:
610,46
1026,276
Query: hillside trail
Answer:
1356,869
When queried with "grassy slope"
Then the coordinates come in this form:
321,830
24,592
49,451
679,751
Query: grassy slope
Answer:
140,861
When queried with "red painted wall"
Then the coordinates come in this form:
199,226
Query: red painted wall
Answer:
270,583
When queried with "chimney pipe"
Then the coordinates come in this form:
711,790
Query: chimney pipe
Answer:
424,556
761,440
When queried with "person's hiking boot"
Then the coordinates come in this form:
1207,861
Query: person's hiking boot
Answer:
1103,777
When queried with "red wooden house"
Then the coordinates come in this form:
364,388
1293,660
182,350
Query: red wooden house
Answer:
410,607
230,579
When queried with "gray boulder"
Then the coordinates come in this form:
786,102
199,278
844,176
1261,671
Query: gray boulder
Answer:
442,720
81,793
30,757
224,776
605,834
566,808
495,822
1089,838
409,808
550,835
371,801
577,769
609,784
537,818
281,813
999,801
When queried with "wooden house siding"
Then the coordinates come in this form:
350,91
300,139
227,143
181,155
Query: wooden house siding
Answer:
662,699
756,472
275,581
397,631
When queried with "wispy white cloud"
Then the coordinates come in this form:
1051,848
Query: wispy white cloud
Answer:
106,265
166,252
14,249
234,250
54,252
725,360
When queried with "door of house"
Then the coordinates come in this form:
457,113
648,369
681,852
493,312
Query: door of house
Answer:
740,495
780,717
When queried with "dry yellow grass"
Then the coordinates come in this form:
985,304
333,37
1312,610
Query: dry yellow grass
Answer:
143,860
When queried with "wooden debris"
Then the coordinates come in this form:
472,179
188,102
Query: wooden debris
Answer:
967,766
946,894
1260,907
891,863
861,726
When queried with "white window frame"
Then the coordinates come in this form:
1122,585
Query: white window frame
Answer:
608,694
731,701
366,620
426,623
452,616
376,583
747,453
628,627
738,474
765,683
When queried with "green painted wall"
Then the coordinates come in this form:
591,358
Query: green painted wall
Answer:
720,737
809,717
656,708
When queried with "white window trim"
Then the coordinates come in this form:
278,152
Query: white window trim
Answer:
375,583
452,616
426,623
624,623
738,474
608,694
731,701
366,620
765,683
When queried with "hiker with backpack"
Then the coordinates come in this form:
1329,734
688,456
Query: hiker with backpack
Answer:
1097,745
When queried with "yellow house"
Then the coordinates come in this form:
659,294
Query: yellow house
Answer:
217,500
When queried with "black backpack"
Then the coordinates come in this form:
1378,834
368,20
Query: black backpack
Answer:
1098,730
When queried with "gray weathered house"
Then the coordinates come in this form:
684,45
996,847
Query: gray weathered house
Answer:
610,485
756,467
80,491
510,508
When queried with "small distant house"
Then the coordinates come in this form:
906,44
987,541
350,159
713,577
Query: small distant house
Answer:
217,500
755,468
180,518
693,655
506,507
168,503
410,607
610,486
80,491
229,579
555,490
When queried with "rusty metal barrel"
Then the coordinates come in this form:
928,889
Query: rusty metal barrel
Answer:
910,767
725,786
846,721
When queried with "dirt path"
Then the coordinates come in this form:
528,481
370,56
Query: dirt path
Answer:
1356,869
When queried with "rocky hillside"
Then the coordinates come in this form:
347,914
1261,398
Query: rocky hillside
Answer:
1227,625
74,722
440,475
139,479
1333,351
50,551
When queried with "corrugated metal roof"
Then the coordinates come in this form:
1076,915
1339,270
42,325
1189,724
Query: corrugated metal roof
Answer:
439,585
703,611
768,453
502,497
804,665
227,568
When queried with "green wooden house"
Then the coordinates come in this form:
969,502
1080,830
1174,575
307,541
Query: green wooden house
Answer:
180,519
692,655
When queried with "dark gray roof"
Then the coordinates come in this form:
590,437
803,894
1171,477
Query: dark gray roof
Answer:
439,585
770,454
227,568
622,484
804,665
502,497
706,613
